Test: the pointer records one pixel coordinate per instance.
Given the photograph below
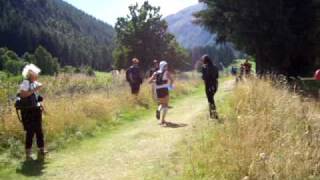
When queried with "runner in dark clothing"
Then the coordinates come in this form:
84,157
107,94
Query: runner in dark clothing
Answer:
154,68
210,75
133,76
247,67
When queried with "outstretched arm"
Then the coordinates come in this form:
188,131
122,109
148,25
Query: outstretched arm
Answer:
170,78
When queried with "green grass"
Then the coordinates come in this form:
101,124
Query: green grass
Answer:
70,143
268,133
92,112
103,77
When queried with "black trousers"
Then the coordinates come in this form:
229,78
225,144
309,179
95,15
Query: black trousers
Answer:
211,90
32,121
135,88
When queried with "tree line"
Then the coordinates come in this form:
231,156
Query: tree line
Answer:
12,64
282,35
68,33
79,40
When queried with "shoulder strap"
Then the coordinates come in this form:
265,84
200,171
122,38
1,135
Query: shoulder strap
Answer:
18,114
29,84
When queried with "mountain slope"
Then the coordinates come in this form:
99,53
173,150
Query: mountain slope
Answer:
187,33
68,33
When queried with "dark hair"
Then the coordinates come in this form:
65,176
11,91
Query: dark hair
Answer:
207,60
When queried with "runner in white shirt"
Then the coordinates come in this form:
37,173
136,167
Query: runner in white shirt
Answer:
164,83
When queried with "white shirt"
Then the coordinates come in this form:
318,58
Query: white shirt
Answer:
27,86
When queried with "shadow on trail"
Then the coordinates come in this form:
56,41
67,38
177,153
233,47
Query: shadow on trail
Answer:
175,125
32,168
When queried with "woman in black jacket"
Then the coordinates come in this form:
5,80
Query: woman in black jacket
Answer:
210,75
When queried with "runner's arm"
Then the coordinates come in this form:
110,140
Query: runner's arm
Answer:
152,78
170,78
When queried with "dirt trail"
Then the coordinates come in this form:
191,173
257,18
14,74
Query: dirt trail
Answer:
129,152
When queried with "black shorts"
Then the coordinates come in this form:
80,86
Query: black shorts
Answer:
162,93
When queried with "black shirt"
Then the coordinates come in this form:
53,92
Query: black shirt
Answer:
210,74
133,75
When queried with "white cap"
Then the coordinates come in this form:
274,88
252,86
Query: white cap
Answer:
162,65
30,67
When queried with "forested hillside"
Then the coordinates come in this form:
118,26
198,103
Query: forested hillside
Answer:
71,35
196,38
188,34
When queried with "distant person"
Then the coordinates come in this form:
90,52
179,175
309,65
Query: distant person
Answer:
133,76
154,68
164,83
247,67
234,71
31,109
317,75
242,71
210,75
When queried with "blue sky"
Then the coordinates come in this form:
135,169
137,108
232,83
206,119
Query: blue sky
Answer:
109,10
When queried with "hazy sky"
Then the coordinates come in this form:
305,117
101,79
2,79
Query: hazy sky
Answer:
109,10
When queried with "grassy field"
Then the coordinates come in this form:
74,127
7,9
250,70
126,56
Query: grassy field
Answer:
80,106
267,133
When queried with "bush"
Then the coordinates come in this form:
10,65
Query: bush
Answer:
14,67
67,69
48,64
77,70
89,71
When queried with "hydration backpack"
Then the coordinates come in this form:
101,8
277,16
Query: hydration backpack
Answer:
159,79
23,104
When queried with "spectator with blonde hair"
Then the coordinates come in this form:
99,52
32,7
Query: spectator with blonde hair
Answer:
31,111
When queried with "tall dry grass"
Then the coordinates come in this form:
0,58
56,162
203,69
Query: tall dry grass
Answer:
268,133
78,106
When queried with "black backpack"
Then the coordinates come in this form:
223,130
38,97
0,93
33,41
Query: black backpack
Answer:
159,79
26,103
23,103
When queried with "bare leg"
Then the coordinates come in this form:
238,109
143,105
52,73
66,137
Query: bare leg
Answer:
158,113
164,113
